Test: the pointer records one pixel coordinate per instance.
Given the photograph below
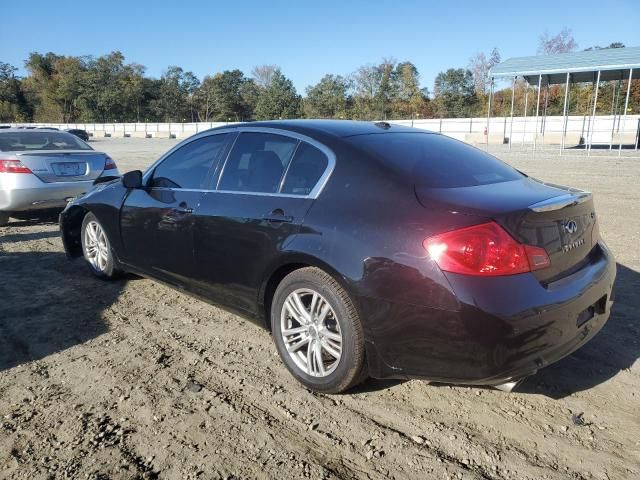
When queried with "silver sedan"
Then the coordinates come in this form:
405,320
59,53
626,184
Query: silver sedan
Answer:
43,169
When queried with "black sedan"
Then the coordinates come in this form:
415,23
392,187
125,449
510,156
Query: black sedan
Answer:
78,132
366,249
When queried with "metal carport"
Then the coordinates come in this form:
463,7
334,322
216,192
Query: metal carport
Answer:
565,68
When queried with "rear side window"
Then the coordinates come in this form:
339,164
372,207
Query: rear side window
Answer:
40,140
306,168
436,161
188,166
257,163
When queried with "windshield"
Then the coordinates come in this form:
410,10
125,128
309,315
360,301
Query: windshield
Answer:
40,140
436,161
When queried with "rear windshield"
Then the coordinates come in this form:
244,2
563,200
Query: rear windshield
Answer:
40,140
436,161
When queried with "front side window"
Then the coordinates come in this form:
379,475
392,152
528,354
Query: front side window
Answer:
307,166
188,166
257,163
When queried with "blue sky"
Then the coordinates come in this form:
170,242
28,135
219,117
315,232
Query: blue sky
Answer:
306,39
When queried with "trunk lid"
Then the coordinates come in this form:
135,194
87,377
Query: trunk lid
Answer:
559,219
64,165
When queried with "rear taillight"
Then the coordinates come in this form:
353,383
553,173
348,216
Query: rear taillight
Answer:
109,164
13,166
486,250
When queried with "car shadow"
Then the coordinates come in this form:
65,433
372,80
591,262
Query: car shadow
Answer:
48,305
615,348
27,237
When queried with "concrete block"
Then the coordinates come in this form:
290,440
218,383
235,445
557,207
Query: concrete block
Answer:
161,134
139,134
555,138
624,138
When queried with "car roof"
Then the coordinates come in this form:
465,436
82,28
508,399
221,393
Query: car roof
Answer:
337,128
30,129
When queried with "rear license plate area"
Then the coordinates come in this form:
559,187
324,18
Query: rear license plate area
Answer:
69,169
588,313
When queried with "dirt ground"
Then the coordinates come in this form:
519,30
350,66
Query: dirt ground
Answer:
133,380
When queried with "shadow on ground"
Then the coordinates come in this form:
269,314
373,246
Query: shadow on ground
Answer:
48,304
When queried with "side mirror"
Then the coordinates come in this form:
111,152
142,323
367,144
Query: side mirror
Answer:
132,179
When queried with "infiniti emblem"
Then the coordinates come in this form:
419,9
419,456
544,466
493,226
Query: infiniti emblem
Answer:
571,227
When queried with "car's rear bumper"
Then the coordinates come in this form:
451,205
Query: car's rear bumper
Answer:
34,194
506,327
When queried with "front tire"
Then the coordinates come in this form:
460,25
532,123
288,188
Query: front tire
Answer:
317,331
96,248
4,219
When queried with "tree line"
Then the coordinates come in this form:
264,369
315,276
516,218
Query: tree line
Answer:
70,89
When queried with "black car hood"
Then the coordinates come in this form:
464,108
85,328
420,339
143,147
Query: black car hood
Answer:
491,199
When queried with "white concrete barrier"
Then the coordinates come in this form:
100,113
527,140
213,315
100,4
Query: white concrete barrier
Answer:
184,134
481,138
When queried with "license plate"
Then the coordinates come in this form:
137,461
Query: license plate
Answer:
69,169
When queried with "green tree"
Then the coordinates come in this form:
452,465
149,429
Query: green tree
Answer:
278,100
176,99
13,103
328,98
411,100
454,93
222,97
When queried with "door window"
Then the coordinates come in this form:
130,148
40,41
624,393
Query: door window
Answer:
188,166
307,166
257,163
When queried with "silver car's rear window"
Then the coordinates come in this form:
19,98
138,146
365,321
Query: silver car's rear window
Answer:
40,140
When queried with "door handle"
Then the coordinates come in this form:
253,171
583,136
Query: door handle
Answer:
278,216
184,209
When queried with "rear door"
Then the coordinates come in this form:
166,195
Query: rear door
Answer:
157,221
266,187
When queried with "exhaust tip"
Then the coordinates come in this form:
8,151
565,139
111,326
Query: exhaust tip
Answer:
509,386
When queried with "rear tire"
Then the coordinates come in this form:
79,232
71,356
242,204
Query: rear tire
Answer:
96,249
317,331
4,219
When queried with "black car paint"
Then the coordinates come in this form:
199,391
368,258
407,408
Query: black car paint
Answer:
367,232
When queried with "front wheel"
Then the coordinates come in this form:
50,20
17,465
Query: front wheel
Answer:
96,248
317,331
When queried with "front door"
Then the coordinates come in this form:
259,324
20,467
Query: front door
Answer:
262,196
157,221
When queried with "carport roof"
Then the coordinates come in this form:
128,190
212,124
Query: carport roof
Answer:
614,64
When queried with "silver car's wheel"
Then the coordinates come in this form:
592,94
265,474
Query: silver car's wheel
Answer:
96,247
311,333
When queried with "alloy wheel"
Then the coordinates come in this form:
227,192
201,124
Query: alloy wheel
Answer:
96,246
311,332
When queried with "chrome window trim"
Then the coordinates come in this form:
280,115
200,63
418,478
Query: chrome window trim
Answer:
315,191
